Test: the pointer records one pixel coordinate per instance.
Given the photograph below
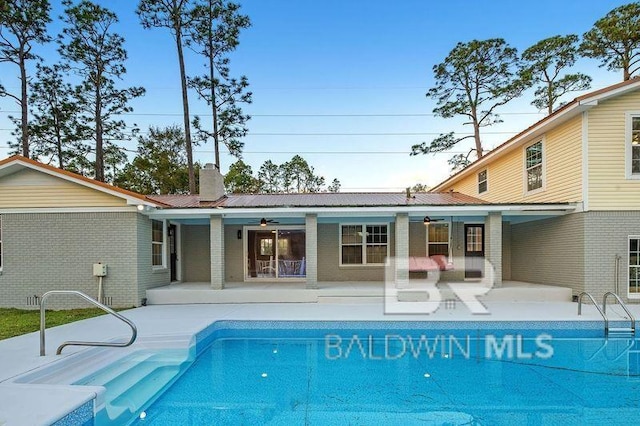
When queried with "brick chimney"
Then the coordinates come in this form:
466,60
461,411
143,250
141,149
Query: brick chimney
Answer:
211,183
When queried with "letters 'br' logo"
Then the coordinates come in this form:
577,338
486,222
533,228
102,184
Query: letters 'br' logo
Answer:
426,293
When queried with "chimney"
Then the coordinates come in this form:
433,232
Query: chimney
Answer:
211,183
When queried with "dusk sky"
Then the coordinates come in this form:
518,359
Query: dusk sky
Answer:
342,82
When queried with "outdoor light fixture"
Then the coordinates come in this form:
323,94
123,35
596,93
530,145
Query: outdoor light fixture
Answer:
426,220
263,222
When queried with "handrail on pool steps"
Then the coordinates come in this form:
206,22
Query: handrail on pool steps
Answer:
134,330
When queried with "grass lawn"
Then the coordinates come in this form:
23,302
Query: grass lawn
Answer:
14,322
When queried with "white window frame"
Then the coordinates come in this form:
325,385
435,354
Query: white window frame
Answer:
486,180
439,242
628,267
628,151
363,244
542,165
163,244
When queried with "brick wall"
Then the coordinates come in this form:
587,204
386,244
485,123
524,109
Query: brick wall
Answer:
550,251
233,254
56,251
148,276
607,235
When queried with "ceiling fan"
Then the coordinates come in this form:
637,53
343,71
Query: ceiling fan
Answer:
428,220
265,222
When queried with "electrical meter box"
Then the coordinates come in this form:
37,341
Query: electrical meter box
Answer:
99,270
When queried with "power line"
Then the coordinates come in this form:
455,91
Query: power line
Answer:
285,115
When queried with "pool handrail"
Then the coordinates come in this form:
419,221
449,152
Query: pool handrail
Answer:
604,317
134,330
623,306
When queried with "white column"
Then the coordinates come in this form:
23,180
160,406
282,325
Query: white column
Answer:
402,249
217,252
311,250
493,245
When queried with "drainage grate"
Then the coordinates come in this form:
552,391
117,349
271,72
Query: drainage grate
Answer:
107,300
33,300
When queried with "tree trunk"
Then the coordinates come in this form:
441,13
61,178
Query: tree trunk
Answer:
214,108
550,97
98,120
185,109
24,106
476,137
59,141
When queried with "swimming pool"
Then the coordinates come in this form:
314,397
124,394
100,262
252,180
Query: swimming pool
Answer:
283,373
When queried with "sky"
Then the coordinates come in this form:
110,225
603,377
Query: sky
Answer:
341,82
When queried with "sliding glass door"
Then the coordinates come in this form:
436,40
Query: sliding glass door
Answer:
275,253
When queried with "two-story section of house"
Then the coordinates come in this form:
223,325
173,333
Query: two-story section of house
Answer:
586,152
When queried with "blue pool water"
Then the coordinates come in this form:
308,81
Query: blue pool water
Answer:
319,374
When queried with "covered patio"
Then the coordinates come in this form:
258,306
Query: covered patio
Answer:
325,247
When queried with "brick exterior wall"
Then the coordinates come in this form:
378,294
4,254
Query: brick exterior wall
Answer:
148,277
56,251
493,245
311,250
216,229
550,251
607,235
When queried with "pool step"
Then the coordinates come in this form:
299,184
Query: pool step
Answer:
621,331
124,405
134,381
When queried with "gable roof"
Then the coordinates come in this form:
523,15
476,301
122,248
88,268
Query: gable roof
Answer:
17,162
321,199
559,116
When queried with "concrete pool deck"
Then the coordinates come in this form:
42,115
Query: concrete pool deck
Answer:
29,404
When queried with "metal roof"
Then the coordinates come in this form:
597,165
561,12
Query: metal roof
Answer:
322,199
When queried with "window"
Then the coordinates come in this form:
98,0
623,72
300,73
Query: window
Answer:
634,140
634,266
266,246
482,182
438,239
157,243
363,244
533,164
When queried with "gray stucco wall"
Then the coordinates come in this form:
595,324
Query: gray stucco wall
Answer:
56,251
196,249
550,251
233,252
607,235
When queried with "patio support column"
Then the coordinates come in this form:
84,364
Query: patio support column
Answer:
402,249
311,250
217,252
493,245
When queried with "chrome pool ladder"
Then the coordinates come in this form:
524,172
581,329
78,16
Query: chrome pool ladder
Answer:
603,313
134,330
